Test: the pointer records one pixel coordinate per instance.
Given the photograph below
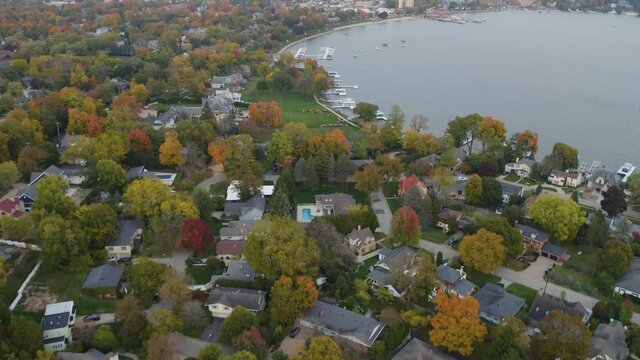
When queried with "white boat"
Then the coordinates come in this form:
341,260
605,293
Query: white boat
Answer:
625,171
380,115
341,92
333,74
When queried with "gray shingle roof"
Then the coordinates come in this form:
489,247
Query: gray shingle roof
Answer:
383,276
252,209
511,189
464,287
554,249
232,297
533,233
103,276
340,201
344,322
176,113
608,340
357,236
237,228
630,280
497,302
51,170
417,349
29,191
398,259
126,230
543,305
238,270
608,177
447,274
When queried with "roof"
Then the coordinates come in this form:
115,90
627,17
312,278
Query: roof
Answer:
526,161
357,236
219,104
430,159
232,297
511,189
55,321
51,170
92,354
340,201
464,287
179,112
9,205
417,349
233,190
29,192
543,305
237,228
229,247
533,233
564,174
497,302
608,177
382,276
408,182
398,259
135,172
74,170
344,322
447,213
104,276
66,140
238,270
553,249
58,308
126,230
447,274
608,340
630,280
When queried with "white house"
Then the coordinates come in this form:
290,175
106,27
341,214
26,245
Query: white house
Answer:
522,167
222,300
56,325
563,178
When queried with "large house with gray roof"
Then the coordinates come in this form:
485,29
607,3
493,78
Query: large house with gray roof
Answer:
360,331
602,180
538,241
140,172
104,280
28,195
122,244
222,300
360,241
496,303
175,114
629,282
392,264
237,270
543,305
510,190
454,281
608,342
237,230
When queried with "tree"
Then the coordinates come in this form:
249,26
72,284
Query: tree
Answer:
196,235
463,130
140,141
238,321
334,253
561,217
268,114
405,227
7,102
369,179
159,348
456,325
144,197
526,143
133,321
311,179
344,168
104,339
473,192
512,238
613,201
139,92
8,174
193,315
251,340
175,289
110,176
419,122
634,188
279,148
25,335
562,336
290,299
281,247
196,131
425,279
145,277
163,322
331,170
110,145
78,121
99,222
616,258
280,204
210,352
421,205
299,170
31,159
51,193
336,142
390,167
491,192
171,151
219,150
320,348
568,154
366,111
484,251
491,131
508,342
598,232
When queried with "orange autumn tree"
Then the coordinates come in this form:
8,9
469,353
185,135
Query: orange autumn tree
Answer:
456,325
491,131
77,121
219,150
140,141
290,299
336,142
171,150
95,126
266,113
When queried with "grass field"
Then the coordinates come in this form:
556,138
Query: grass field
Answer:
481,279
527,293
514,264
9,291
390,188
589,255
512,177
363,269
200,274
434,235
394,204
303,195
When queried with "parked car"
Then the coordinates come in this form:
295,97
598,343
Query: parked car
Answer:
452,240
198,262
499,211
126,260
294,332
462,178
92,317
156,298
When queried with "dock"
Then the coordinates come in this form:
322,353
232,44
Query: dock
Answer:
326,53
301,53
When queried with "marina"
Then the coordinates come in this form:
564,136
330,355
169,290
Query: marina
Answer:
326,53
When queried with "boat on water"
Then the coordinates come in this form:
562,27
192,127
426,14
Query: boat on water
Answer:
625,171
385,44
380,116
333,74
377,48
355,56
403,41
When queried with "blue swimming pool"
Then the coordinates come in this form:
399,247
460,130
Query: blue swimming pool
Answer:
306,215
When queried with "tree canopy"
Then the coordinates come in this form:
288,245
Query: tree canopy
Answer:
561,217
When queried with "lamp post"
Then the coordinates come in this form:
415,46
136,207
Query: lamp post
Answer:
546,278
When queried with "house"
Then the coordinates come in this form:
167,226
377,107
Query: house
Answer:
140,172
360,241
219,104
11,207
229,249
237,230
406,183
5,58
563,178
28,195
496,303
75,174
68,141
104,280
629,282
175,114
454,281
91,354
431,159
56,325
234,82
602,180
522,167
237,270
607,342
128,232
252,209
361,331
456,191
233,190
446,216
510,191
222,300
332,204
417,349
391,265
543,305
538,241
121,84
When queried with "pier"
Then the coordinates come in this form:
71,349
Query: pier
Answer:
326,53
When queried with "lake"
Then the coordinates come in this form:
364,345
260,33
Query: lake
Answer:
571,77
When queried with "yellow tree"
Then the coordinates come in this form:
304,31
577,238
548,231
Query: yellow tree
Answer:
484,251
77,121
456,325
171,151
320,348
368,180
289,299
491,131
219,150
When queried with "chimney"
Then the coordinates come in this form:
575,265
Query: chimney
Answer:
461,270
359,227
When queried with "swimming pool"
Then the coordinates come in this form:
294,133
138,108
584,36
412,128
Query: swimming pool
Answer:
306,215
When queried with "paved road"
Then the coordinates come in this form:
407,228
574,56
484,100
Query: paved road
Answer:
382,211
176,261
206,184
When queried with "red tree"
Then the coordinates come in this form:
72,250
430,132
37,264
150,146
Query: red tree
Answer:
405,226
252,341
95,126
196,235
140,141
613,202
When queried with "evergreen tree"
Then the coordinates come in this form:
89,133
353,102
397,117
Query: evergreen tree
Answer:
207,114
597,234
331,170
280,204
311,180
286,180
344,168
299,170
322,163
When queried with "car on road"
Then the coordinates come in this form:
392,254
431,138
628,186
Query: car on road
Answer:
294,332
126,260
92,317
499,211
452,240
156,298
462,178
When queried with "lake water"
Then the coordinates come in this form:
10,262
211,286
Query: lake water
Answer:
571,77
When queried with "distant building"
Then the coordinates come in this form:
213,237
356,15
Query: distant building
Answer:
522,167
496,303
222,300
563,178
233,82
56,325
175,114
237,270
75,174
607,342
69,140
391,265
28,195
360,241
122,245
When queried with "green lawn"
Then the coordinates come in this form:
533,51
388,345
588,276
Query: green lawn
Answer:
9,291
394,204
527,293
528,182
481,279
390,189
434,235
200,274
363,269
512,177
588,258
573,279
515,264
67,286
303,195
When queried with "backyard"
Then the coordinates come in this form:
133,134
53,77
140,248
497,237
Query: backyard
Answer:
363,269
20,272
481,279
527,293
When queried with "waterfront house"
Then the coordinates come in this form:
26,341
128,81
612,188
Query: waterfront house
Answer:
229,250
121,246
331,204
222,300
104,280
629,282
358,330
496,303
56,325
417,349
392,264
563,178
447,216
543,305
360,241
538,241
608,342
522,167
453,281
407,182
237,230
602,180
510,190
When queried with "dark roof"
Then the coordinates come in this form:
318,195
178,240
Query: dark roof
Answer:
447,274
179,112
232,297
74,170
497,302
344,322
51,170
608,177
238,228
55,321
630,280
359,235
608,340
91,354
447,213
229,247
533,233
464,287
383,276
29,192
126,230
252,209
417,349
553,249
103,276
398,259
511,189
135,172
543,305
238,270
340,202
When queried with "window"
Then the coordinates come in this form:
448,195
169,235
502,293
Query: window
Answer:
123,248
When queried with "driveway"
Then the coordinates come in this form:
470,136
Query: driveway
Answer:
382,211
177,260
447,251
292,346
212,333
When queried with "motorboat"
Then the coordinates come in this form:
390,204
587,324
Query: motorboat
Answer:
625,171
